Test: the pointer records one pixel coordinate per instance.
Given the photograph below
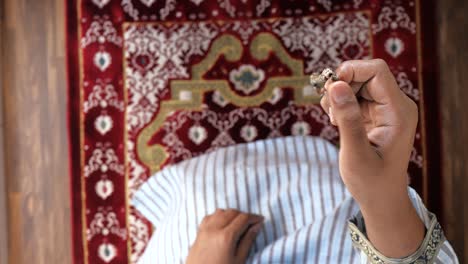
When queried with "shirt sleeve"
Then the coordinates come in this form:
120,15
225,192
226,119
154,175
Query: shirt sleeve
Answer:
434,248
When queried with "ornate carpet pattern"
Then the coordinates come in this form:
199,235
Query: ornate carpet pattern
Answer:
154,82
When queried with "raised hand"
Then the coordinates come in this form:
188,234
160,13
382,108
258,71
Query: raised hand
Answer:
377,125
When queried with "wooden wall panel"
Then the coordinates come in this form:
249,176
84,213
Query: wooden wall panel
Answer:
36,153
3,210
453,53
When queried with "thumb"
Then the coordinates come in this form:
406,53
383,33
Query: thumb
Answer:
346,113
246,242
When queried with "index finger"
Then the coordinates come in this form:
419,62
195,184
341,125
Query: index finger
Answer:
380,84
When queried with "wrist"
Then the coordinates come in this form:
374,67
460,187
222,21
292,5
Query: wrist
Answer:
388,210
375,197
394,227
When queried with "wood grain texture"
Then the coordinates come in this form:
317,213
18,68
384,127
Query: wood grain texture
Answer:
3,210
453,53
36,155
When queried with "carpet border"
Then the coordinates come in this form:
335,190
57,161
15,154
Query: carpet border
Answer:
73,109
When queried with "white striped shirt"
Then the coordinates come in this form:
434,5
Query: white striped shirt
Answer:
293,182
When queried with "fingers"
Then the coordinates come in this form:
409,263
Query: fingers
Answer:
242,221
380,84
369,79
219,219
225,217
326,104
246,242
347,115
228,216
232,219
228,243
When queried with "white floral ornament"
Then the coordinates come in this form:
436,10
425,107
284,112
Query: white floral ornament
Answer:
277,94
148,3
103,124
101,30
103,159
327,4
219,99
249,133
197,134
300,128
101,3
102,60
103,95
393,19
394,47
407,86
107,252
197,2
104,188
104,223
247,78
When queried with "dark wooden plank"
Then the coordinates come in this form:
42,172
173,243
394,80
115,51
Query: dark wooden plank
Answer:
36,161
3,210
453,45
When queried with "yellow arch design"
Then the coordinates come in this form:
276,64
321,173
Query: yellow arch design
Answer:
228,45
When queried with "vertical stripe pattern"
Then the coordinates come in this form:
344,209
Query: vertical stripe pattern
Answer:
293,182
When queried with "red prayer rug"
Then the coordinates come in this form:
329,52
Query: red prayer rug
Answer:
154,82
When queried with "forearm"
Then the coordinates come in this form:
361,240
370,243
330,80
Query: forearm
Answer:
393,226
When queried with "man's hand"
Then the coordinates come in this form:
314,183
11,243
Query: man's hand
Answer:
377,129
225,237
